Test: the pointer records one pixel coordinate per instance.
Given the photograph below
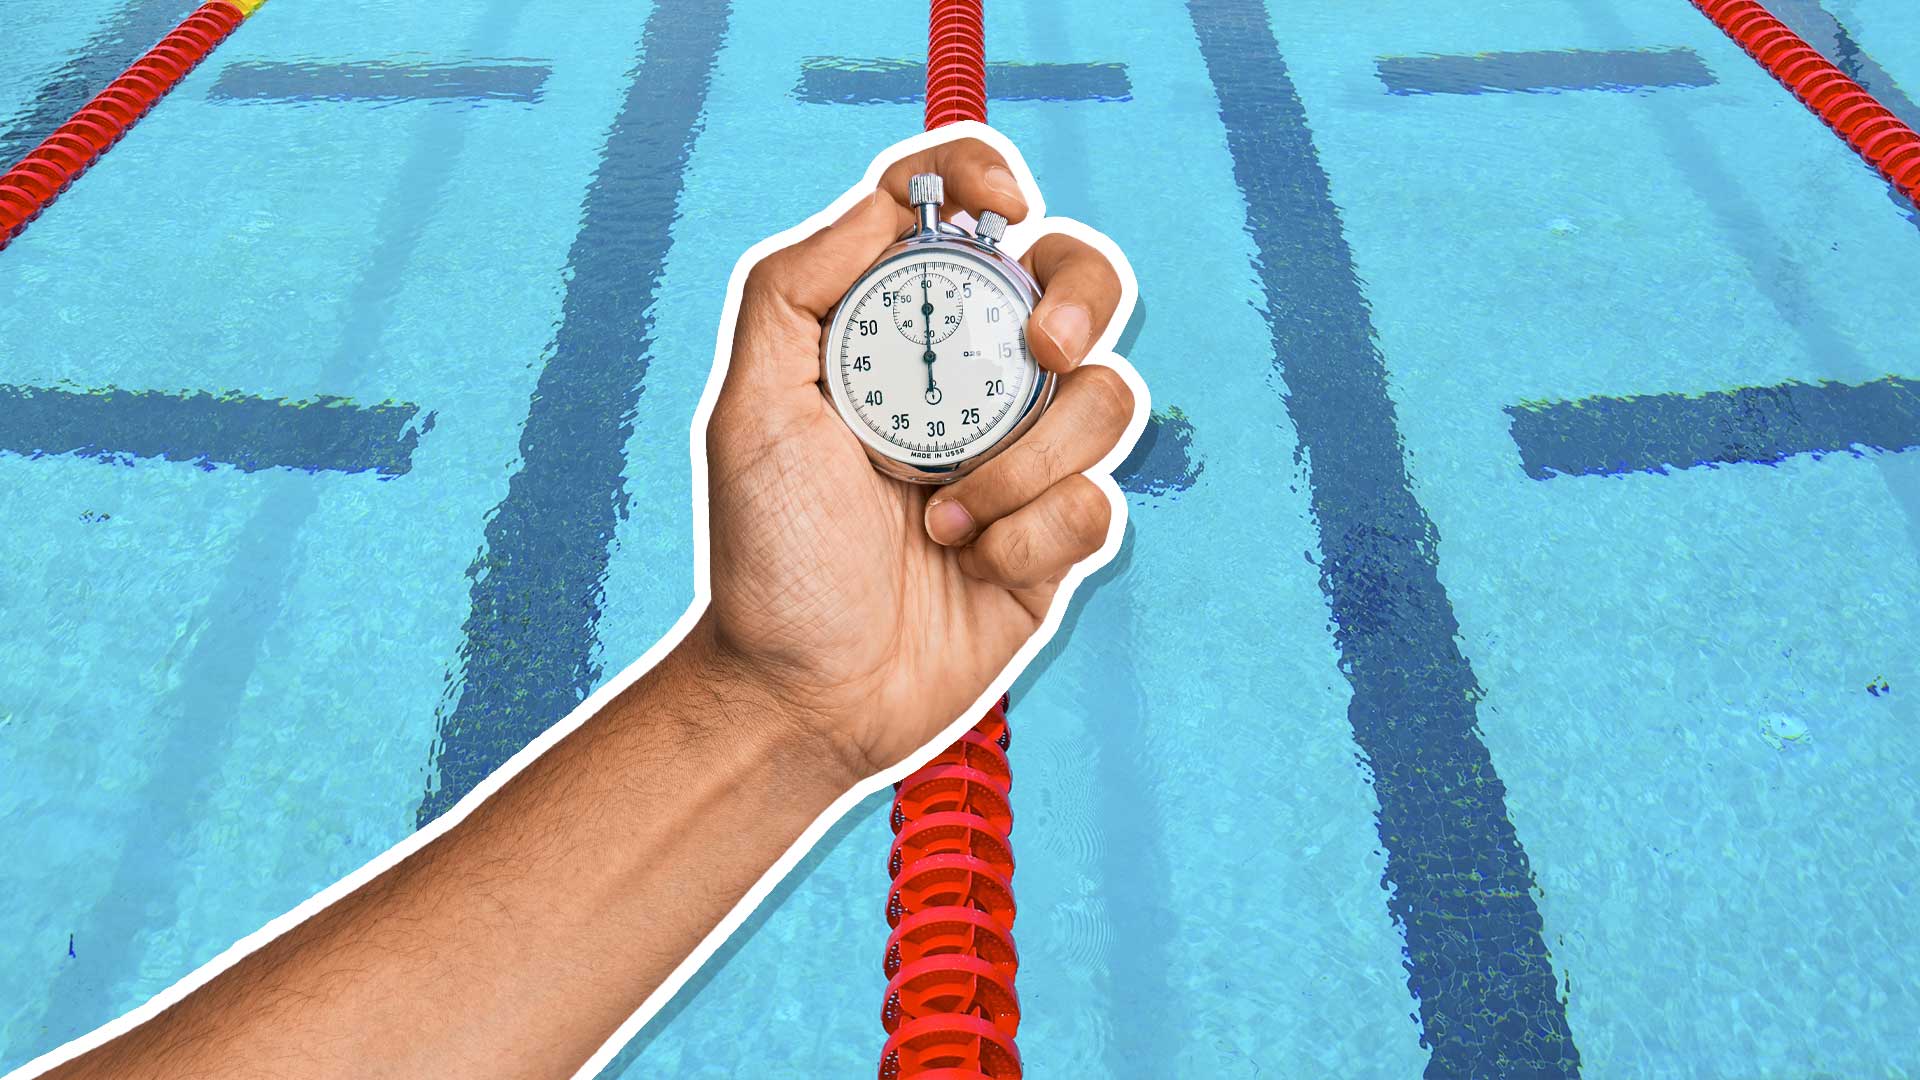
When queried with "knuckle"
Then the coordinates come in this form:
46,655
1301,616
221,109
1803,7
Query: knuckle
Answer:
1059,245
1112,403
763,281
1013,557
1041,463
965,151
1055,250
1088,515
759,284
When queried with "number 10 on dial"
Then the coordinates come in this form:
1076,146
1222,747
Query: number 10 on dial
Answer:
926,358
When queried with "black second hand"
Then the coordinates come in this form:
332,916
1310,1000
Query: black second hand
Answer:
926,316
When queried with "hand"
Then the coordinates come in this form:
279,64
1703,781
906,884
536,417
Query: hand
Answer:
875,609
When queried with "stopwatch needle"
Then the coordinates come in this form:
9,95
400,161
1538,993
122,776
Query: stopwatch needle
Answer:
926,317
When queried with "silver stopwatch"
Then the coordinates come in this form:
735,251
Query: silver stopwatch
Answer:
926,356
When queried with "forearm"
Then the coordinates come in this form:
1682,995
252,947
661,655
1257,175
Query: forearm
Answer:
514,945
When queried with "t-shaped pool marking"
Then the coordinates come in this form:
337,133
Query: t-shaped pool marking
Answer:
1460,885
1756,424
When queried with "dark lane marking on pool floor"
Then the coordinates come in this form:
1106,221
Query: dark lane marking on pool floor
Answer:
137,27
537,587
839,80
378,80
325,434
1544,72
1162,462
1457,880
1766,425
196,717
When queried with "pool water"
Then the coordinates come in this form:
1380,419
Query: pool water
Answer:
1511,672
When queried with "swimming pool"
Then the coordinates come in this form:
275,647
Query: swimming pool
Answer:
1370,558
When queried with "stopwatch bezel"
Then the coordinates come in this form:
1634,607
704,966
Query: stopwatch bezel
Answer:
953,241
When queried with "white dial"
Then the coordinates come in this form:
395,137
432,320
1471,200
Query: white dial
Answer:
928,359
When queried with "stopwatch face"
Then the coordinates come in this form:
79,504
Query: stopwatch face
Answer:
927,359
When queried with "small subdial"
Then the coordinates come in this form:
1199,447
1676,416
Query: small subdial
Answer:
926,301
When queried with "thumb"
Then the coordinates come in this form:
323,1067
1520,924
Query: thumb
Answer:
789,292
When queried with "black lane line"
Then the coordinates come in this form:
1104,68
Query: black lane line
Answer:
326,434
1457,880
1548,71
207,699
379,80
538,585
1759,424
137,27
840,80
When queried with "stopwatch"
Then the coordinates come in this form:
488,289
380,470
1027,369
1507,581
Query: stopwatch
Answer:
926,357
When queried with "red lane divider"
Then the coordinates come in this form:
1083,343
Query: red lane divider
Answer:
950,1010
943,788
947,983
1874,132
956,63
50,168
950,1046
936,930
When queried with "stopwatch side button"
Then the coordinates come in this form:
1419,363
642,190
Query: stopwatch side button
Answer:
926,188
990,228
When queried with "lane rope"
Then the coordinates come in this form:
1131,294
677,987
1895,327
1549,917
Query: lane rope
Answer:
49,169
950,1010
1877,135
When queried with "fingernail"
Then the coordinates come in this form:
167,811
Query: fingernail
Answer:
1069,326
948,522
1001,182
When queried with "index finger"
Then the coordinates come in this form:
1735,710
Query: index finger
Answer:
976,178
1080,292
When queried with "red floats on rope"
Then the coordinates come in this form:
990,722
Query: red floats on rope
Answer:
956,63
950,1009
938,930
949,984
951,881
950,1005
928,1048
1874,133
951,833
50,168
945,788
975,751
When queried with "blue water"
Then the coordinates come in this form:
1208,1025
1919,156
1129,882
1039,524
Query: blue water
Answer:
1376,754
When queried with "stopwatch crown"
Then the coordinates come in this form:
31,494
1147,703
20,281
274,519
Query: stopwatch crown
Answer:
991,227
926,188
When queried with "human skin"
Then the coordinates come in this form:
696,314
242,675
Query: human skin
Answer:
852,617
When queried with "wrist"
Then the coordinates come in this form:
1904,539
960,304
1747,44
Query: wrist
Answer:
732,696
